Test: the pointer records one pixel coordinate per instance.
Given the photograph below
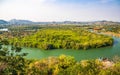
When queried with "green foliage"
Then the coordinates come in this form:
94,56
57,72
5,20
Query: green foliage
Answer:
65,38
5,42
62,65
113,28
13,65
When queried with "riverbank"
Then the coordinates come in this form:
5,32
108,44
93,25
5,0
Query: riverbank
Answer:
109,52
112,34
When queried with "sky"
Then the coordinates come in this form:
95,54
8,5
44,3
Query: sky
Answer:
60,10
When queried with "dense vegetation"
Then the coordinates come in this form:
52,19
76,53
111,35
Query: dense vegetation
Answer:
66,38
113,28
62,65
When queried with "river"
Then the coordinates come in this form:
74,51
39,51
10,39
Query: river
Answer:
109,52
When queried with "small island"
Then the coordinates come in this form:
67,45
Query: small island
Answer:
65,37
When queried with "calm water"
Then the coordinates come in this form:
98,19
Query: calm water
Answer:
109,52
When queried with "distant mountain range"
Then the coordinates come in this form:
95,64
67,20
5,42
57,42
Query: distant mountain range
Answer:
28,22
3,22
17,22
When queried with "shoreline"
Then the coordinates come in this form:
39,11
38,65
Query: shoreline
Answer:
112,34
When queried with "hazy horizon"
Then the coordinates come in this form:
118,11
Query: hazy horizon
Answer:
60,10
59,21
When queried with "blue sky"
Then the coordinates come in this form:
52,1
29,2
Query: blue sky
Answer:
60,10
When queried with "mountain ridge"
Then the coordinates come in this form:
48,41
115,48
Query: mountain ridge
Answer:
23,22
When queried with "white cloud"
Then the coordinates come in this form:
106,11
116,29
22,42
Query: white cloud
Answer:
29,9
47,10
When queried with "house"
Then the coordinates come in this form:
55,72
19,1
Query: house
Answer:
97,29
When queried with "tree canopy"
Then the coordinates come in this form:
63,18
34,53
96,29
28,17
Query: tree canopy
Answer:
62,38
